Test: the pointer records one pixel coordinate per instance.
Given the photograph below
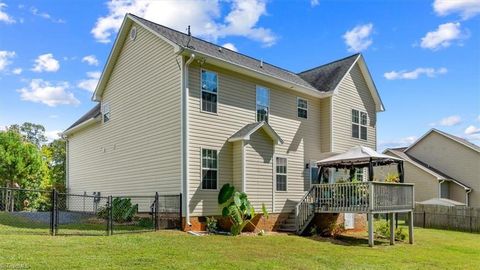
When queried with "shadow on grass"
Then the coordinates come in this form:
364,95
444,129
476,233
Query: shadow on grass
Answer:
349,240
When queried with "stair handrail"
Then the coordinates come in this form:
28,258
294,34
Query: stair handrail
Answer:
300,223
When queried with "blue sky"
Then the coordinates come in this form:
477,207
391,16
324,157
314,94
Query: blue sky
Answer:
424,56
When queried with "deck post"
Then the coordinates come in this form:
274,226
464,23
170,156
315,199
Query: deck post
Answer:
410,227
392,228
370,229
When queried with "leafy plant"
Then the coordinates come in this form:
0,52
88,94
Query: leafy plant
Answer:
237,207
212,225
122,210
382,229
145,222
392,178
265,218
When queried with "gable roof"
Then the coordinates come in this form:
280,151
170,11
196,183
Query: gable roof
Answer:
400,152
91,114
449,136
185,44
244,133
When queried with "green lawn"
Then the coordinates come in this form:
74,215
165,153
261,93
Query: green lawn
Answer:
30,247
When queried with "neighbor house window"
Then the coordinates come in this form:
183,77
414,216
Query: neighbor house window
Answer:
263,103
209,91
359,124
281,173
209,169
105,112
302,108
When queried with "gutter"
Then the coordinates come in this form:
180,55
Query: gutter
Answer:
185,139
440,187
467,197
80,126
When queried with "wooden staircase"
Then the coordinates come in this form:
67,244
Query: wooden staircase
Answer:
289,224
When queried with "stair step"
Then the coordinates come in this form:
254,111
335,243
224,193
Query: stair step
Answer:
288,229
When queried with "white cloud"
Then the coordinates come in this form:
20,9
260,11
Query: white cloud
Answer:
17,71
471,130
449,121
51,94
466,8
314,3
5,59
4,17
204,16
45,15
46,62
91,60
443,36
230,46
91,83
402,142
358,38
52,134
414,74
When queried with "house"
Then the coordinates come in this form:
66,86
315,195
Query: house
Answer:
442,166
177,114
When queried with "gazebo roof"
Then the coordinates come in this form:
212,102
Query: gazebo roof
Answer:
358,155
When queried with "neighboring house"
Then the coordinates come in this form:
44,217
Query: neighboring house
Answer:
177,114
442,166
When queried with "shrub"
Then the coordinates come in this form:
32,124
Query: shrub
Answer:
212,226
145,222
382,229
122,210
392,178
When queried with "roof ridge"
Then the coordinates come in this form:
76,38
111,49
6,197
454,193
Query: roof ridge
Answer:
329,63
220,46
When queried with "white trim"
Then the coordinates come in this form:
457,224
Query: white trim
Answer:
275,156
311,163
201,91
331,124
441,133
360,125
268,107
67,164
82,125
306,109
217,169
266,127
274,179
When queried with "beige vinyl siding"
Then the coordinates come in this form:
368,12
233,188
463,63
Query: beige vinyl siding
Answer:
457,193
426,185
353,93
236,108
238,153
138,150
326,124
259,167
452,158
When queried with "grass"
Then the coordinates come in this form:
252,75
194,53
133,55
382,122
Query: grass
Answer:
28,245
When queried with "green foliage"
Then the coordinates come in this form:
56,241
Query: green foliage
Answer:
122,210
145,222
21,162
54,154
237,207
382,229
212,225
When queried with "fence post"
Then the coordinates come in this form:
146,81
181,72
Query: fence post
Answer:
52,212
180,210
155,213
424,218
110,216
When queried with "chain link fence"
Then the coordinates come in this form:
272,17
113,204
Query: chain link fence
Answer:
87,214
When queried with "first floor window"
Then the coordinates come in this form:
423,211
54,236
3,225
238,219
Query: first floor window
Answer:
209,169
281,173
209,91
359,124
302,108
105,112
262,103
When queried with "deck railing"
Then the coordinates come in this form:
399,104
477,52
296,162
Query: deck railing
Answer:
360,197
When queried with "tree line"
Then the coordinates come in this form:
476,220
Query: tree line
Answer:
29,161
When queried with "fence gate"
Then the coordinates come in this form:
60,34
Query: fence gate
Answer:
25,210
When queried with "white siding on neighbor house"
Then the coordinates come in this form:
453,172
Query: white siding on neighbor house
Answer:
138,150
236,108
452,158
353,93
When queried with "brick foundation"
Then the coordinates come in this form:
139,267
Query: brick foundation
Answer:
271,224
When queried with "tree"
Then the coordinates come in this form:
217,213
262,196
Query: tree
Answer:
21,162
33,133
55,156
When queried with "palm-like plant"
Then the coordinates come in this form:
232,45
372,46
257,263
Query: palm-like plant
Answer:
237,207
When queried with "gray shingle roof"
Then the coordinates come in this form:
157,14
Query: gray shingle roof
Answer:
94,112
325,78
320,78
245,132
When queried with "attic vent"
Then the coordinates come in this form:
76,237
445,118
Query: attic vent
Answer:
133,33
220,49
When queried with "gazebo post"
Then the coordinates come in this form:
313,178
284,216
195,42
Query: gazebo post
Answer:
401,174
370,170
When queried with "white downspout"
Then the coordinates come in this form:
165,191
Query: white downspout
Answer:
440,188
185,140
467,201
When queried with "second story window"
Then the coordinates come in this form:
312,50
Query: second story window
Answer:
105,112
302,108
263,104
209,91
359,124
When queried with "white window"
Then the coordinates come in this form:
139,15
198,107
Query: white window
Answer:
302,108
209,169
262,103
209,91
105,112
281,173
359,124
